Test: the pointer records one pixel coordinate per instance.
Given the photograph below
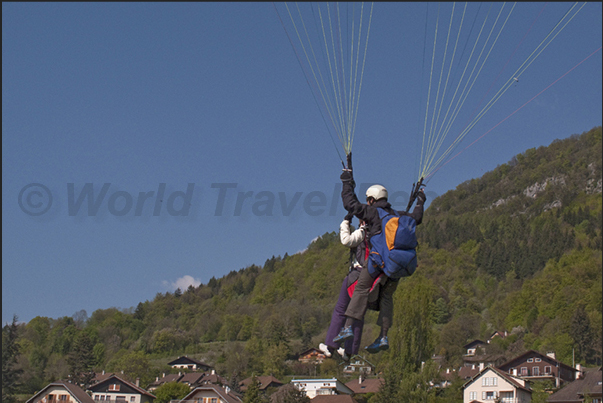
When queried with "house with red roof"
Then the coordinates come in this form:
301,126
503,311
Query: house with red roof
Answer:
533,366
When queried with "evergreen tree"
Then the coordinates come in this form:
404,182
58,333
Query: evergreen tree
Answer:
581,333
10,352
81,360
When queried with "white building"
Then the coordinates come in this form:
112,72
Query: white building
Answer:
321,387
491,384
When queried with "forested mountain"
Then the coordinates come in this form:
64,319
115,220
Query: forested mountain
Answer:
518,249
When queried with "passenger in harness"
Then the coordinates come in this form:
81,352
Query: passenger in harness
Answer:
376,197
359,252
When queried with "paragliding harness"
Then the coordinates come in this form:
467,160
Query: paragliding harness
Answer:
393,250
354,273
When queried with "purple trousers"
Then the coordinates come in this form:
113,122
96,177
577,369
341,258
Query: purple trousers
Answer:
338,320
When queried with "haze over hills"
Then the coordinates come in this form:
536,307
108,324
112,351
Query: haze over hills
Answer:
517,250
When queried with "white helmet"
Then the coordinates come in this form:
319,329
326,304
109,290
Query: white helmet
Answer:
376,192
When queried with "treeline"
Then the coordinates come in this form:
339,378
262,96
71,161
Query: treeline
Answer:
518,249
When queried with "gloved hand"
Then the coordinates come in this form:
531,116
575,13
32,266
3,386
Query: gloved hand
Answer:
421,196
349,157
346,176
349,217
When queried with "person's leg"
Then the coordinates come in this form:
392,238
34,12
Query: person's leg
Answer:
338,316
357,306
358,303
353,345
386,313
386,306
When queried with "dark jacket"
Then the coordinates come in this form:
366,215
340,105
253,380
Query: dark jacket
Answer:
370,214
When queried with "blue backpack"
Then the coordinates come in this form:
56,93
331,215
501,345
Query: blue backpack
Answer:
393,249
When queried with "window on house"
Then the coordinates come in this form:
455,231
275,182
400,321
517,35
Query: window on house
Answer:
102,397
114,387
120,399
548,370
538,360
214,400
132,399
472,395
51,398
530,360
524,371
536,371
495,381
64,398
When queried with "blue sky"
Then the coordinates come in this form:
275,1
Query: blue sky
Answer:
206,104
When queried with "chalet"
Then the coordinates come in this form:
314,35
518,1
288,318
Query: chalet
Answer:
491,384
586,388
319,387
468,372
446,378
496,334
192,379
192,364
363,386
264,382
61,392
212,394
474,347
312,356
165,379
117,389
533,365
101,377
359,365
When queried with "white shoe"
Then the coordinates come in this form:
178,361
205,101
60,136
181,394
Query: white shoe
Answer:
343,354
323,347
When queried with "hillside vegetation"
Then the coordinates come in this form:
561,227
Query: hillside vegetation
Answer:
518,249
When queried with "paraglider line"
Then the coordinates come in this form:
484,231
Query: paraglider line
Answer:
514,112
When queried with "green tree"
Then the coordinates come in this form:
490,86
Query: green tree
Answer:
81,360
581,333
171,391
10,352
134,364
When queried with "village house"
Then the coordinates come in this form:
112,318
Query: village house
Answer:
533,365
319,387
264,382
476,347
212,394
192,379
586,388
61,392
116,389
491,384
362,386
189,363
312,356
359,365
